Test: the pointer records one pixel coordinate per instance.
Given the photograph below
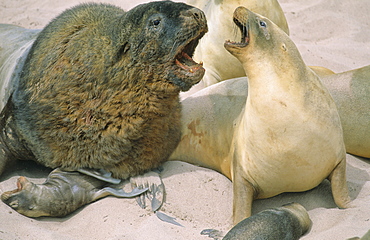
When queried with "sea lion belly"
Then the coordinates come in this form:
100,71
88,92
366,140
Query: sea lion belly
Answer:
286,146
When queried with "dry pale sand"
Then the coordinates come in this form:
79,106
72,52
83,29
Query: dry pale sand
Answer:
330,33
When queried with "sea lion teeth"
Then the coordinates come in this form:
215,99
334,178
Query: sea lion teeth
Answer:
187,63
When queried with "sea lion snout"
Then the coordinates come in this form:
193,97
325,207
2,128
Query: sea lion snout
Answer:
197,14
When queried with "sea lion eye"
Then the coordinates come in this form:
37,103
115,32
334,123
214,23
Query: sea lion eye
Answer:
156,22
262,24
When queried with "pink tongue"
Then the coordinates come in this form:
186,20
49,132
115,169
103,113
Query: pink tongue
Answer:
187,59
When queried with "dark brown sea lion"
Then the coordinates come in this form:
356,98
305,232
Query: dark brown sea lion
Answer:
99,88
62,193
288,222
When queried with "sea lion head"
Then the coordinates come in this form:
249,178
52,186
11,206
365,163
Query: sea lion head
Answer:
165,40
25,199
262,43
301,214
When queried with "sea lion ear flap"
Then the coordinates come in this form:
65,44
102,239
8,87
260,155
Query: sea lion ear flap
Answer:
124,48
283,47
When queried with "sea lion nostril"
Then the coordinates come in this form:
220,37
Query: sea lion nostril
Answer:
196,13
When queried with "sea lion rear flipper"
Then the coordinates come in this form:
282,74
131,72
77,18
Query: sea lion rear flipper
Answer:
155,194
108,191
156,191
100,174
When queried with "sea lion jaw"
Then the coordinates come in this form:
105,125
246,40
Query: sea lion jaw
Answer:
254,28
188,71
172,32
241,19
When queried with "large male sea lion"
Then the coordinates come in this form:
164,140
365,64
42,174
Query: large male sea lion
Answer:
219,15
100,88
287,135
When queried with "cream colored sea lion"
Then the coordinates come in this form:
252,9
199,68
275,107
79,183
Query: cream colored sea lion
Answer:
62,193
286,137
289,222
219,16
100,88
351,93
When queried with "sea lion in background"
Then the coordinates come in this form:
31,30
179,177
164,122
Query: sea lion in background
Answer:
219,15
14,46
288,222
100,88
286,136
62,193
365,237
351,93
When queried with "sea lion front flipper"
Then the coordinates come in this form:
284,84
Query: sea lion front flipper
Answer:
156,191
243,191
212,233
100,174
339,185
120,193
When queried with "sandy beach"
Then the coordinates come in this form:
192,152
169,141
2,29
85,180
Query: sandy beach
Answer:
329,33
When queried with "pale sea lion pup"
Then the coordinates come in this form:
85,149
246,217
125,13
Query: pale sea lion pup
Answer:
351,93
61,193
219,17
289,222
287,136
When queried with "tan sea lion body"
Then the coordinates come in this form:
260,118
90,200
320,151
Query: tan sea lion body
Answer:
287,136
100,88
219,64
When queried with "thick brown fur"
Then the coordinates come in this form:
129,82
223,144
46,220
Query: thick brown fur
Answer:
100,86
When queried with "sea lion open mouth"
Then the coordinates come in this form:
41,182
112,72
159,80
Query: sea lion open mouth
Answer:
244,29
184,58
20,185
